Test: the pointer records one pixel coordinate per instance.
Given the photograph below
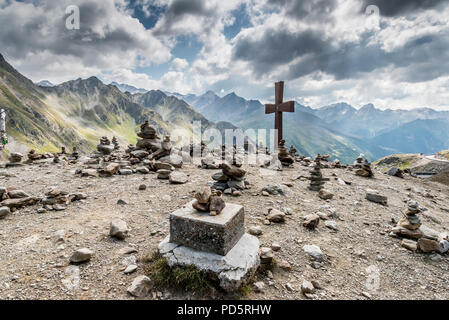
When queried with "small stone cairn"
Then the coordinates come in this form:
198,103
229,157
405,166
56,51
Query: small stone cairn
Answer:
209,201
75,154
33,155
150,141
231,179
105,147
293,152
409,225
115,143
316,177
283,155
15,158
363,167
409,228
165,149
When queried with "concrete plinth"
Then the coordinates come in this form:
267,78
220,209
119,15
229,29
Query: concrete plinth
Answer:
233,270
200,231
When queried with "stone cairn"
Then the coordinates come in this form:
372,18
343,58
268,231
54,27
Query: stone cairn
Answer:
209,234
74,155
316,177
164,151
150,141
15,158
293,152
33,155
409,228
149,154
208,200
105,147
231,179
115,143
283,155
363,167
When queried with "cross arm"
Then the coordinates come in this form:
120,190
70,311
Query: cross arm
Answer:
270,108
287,106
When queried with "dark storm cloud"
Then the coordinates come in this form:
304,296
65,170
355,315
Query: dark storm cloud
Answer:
392,8
179,9
343,60
38,33
277,47
312,9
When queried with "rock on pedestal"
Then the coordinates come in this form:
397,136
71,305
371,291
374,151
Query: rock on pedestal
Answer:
214,244
215,234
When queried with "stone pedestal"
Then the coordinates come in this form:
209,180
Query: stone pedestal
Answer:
232,270
215,234
214,244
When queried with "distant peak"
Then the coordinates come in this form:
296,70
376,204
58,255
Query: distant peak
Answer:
368,106
210,93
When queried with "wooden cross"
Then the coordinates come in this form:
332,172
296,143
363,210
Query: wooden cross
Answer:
278,108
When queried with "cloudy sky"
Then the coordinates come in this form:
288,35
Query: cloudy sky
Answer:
394,54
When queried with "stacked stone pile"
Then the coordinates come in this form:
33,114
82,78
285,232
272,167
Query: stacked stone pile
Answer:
105,147
416,236
316,177
150,141
283,155
363,168
231,179
208,200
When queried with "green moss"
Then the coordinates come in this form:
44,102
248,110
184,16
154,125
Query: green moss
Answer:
188,279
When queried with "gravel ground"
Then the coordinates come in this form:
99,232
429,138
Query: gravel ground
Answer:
34,266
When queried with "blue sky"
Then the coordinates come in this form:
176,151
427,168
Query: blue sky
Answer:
393,54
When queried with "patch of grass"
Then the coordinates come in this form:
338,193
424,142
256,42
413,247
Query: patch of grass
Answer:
188,279
245,290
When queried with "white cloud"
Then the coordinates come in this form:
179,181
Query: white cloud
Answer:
179,64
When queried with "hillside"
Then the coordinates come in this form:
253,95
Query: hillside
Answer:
419,136
369,122
78,112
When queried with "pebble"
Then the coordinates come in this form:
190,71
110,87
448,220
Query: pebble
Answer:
81,255
255,231
314,252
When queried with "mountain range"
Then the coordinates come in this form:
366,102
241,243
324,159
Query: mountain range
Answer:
78,112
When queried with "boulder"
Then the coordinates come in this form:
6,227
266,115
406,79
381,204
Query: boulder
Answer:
4,211
276,216
163,174
374,196
277,189
110,169
409,244
139,154
314,252
307,287
325,195
396,172
118,229
311,221
18,203
255,231
81,255
177,177
140,287
427,245
18,194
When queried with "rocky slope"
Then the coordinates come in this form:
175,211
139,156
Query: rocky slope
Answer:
78,112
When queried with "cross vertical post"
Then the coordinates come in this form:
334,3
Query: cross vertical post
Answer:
278,108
